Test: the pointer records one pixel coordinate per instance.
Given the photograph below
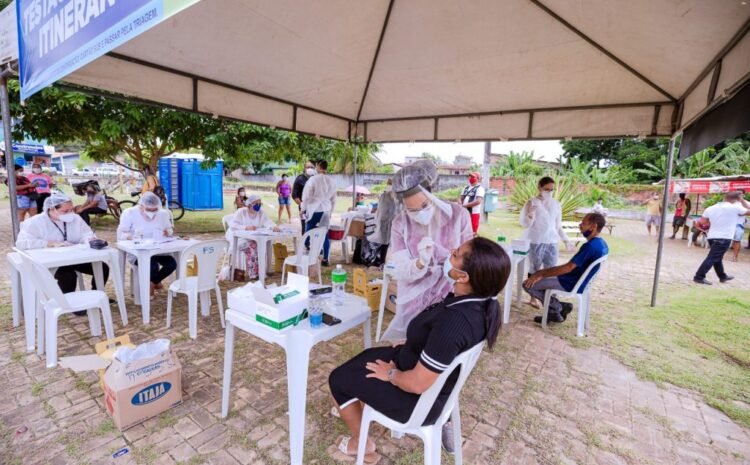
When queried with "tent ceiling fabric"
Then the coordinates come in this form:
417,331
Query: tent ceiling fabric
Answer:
444,70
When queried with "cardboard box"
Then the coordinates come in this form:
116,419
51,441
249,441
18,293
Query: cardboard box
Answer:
357,228
242,299
280,252
282,313
133,391
142,389
391,296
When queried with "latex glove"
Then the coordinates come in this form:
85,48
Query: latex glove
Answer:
56,244
426,248
530,208
250,228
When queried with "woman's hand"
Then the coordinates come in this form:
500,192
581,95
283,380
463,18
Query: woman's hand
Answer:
276,229
250,228
380,369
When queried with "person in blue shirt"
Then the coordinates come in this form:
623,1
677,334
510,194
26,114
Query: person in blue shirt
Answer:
564,277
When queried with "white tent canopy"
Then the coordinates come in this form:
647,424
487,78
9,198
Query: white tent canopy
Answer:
440,70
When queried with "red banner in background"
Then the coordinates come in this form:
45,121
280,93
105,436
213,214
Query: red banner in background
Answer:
708,187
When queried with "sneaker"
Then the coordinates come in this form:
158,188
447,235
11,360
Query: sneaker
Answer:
448,438
702,281
325,263
725,279
551,318
567,307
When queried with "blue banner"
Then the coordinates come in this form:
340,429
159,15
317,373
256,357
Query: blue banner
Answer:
57,37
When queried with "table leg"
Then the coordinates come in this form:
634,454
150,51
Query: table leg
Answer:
520,272
260,246
228,359
98,275
235,244
144,280
16,294
381,307
367,330
508,293
117,277
297,363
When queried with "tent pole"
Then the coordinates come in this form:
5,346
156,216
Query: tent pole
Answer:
663,219
486,176
9,163
354,178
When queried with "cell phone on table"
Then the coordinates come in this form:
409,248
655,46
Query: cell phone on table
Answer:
330,320
321,290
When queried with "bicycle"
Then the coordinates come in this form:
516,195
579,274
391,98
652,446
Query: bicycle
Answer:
175,207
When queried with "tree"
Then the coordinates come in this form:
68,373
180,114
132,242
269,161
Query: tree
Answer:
109,128
432,157
517,164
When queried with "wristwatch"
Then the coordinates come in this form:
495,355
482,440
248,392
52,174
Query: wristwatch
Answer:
391,374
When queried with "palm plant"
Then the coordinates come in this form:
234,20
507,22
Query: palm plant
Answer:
517,164
655,171
566,192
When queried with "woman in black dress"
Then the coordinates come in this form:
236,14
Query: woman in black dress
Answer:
391,379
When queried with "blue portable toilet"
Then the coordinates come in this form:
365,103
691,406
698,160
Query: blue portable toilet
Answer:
196,188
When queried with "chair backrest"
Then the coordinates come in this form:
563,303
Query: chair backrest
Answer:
589,271
207,255
43,281
317,237
225,221
346,225
466,362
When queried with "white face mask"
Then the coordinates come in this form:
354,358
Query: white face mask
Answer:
67,217
37,171
447,267
150,215
310,171
546,195
423,216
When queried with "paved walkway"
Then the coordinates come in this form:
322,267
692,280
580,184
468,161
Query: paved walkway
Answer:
535,399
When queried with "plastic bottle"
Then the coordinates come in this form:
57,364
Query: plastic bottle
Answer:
138,236
338,278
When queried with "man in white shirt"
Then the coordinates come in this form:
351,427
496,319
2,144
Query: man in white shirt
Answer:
59,226
472,198
148,220
724,217
318,202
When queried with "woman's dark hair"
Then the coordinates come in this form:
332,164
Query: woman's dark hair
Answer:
488,267
546,180
283,176
240,189
322,164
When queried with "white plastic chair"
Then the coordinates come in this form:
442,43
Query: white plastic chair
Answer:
431,435
15,267
304,262
53,303
208,254
225,221
584,297
344,239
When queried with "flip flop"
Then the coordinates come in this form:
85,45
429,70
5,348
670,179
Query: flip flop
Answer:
335,412
340,452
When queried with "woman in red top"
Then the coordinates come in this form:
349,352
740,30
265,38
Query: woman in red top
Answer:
25,190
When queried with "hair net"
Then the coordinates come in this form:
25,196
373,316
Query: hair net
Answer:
408,180
251,199
55,200
149,199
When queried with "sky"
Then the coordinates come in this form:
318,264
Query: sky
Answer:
395,153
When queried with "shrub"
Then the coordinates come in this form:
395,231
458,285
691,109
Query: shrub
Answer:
566,192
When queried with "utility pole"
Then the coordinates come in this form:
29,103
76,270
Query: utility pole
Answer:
486,176
9,163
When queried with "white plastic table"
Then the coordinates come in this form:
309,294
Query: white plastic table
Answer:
263,239
56,257
144,252
297,342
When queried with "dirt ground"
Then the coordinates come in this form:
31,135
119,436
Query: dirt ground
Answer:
536,398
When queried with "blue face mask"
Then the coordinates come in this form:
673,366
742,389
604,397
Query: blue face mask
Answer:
587,233
256,207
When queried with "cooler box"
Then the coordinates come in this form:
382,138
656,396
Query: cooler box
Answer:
335,233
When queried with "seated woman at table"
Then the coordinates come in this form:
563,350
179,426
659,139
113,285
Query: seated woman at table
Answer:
59,226
391,379
150,221
250,218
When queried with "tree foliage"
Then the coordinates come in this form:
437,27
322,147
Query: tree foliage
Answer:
108,128
517,164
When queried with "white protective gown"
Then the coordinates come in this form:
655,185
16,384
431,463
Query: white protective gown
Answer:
40,229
